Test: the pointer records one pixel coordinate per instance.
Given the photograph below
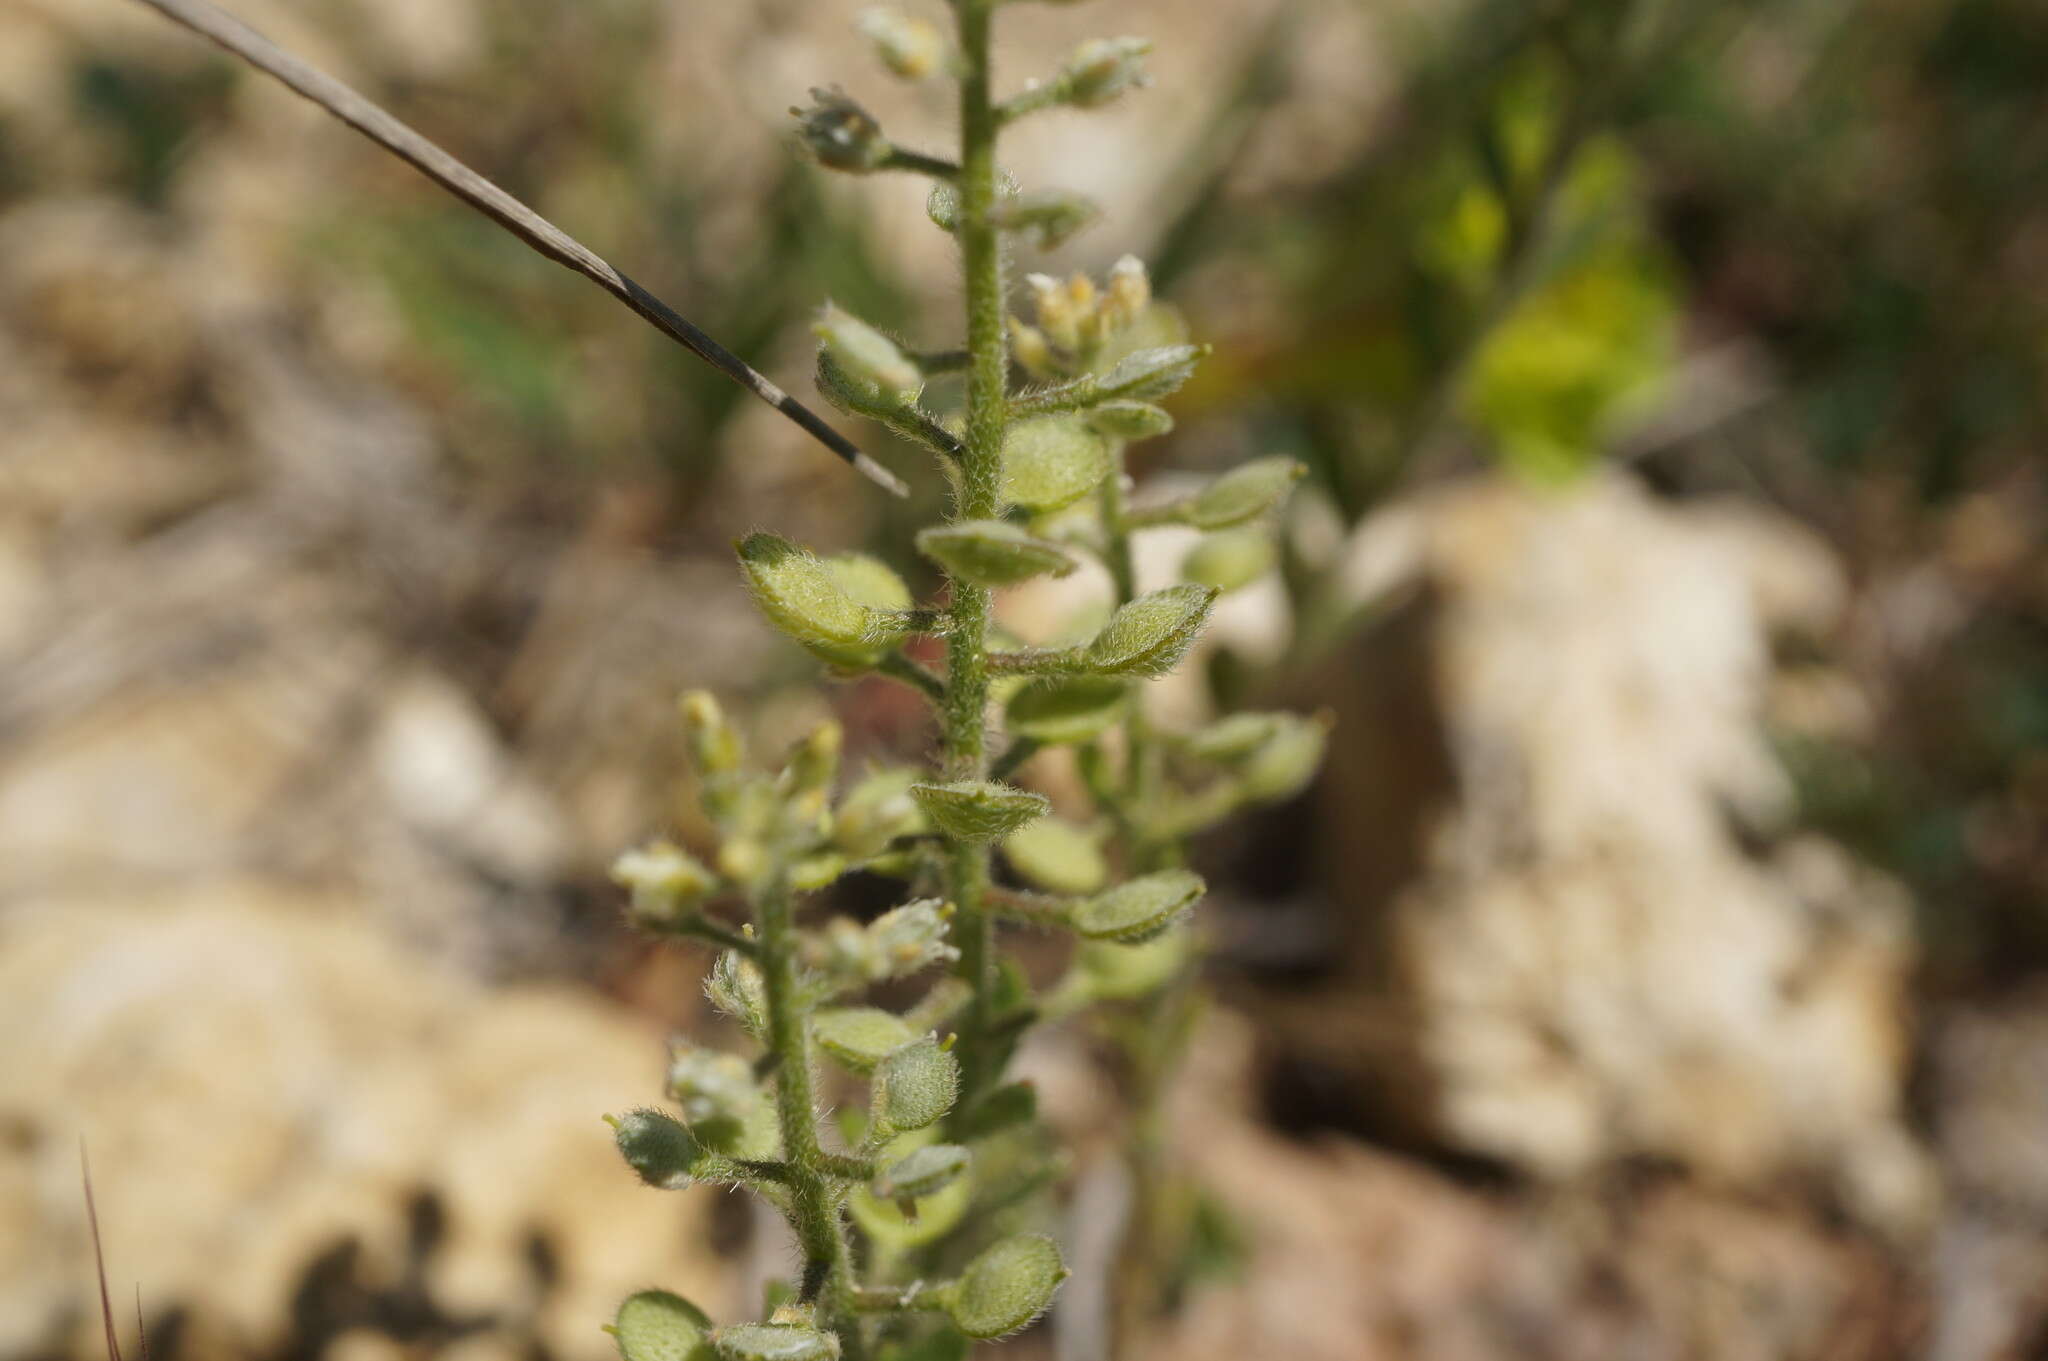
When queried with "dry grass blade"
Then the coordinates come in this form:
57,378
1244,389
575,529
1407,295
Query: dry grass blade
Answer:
99,1257
508,212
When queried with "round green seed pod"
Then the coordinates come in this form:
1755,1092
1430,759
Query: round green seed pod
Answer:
774,1342
655,1325
1140,908
1052,461
1006,1287
914,1086
1056,710
1244,493
992,553
1057,856
925,1172
1150,635
858,1038
979,810
803,599
1230,560
657,1146
1283,766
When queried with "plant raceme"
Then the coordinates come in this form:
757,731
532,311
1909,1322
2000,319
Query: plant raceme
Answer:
919,1216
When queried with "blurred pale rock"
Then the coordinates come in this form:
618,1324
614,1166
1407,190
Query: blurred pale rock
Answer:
1356,1255
282,1105
1581,930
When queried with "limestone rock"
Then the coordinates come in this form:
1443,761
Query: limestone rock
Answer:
297,1128
1581,927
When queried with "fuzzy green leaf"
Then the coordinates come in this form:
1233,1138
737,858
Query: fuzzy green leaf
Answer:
1139,909
858,1038
1150,635
925,1172
1052,461
979,810
1005,1287
655,1325
914,1086
1057,857
774,1342
1062,709
992,553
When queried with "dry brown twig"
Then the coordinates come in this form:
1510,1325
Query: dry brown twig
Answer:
536,231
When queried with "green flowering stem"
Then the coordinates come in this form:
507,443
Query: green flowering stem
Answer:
814,1201
964,720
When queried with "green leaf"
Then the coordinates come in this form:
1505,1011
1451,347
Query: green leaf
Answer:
992,553
1139,909
858,1038
914,1086
1150,635
1062,709
979,810
774,1342
655,1325
1244,493
1057,856
1006,1287
925,1172
1231,560
1052,461
657,1146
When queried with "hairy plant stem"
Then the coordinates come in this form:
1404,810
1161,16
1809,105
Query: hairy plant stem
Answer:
814,1200
965,717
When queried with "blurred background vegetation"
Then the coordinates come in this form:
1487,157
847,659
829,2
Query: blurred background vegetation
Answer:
309,468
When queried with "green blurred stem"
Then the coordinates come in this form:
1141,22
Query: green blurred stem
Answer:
1148,1246
814,1201
965,716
